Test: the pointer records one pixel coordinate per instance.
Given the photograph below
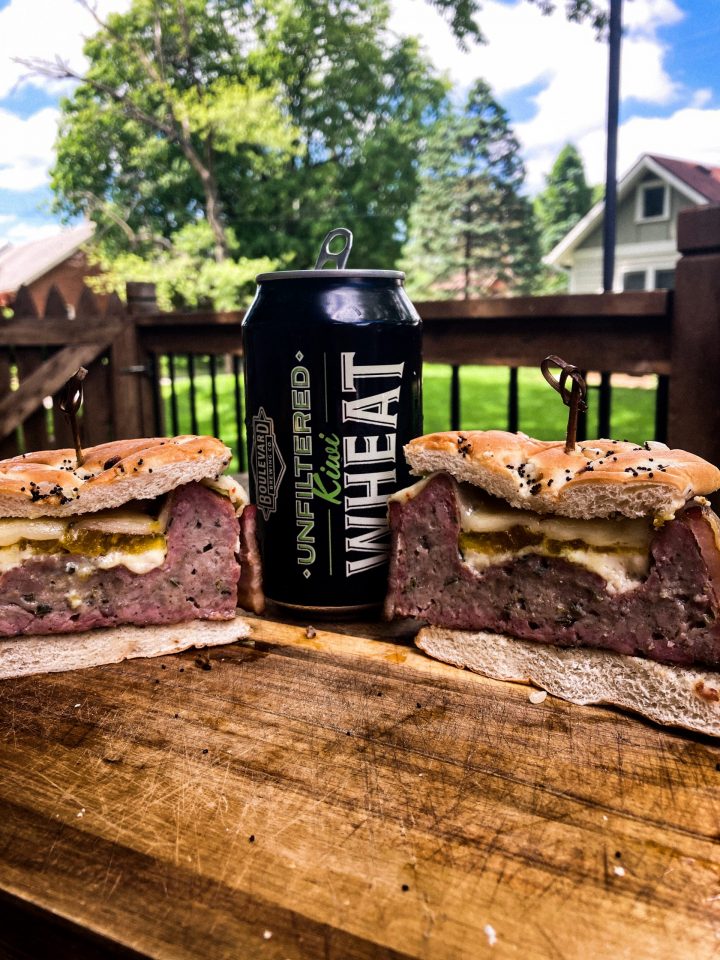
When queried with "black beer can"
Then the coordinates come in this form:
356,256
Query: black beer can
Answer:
333,362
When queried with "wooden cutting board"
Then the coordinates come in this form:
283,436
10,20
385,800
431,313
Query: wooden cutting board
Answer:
327,794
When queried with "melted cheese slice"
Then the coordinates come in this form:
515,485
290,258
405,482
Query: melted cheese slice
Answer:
616,550
136,540
228,487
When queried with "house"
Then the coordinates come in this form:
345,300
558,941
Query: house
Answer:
649,198
58,260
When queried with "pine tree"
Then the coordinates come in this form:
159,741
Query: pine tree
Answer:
472,231
565,199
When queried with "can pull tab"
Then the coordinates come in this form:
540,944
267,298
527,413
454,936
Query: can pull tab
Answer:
338,259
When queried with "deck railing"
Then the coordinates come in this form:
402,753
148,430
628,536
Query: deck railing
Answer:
153,372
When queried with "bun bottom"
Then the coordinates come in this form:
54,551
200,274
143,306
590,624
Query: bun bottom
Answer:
24,656
684,697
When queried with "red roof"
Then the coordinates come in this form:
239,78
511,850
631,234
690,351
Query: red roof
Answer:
704,180
26,263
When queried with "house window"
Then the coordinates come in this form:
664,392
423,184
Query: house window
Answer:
653,201
664,279
634,280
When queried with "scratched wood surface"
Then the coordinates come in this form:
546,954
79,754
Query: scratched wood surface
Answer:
336,796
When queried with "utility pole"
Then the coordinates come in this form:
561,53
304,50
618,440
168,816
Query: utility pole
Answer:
613,101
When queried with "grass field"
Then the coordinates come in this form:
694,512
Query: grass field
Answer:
484,401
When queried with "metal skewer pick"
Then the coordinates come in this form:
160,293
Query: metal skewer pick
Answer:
573,398
70,403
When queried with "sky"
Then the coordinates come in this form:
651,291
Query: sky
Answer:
549,75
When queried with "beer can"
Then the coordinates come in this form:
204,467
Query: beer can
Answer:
333,361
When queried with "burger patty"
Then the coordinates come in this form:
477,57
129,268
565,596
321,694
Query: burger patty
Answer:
198,579
673,615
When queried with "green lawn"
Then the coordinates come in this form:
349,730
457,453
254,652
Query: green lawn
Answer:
484,399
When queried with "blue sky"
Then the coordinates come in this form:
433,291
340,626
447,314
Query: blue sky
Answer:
549,74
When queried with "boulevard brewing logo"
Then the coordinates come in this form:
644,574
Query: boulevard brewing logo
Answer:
268,464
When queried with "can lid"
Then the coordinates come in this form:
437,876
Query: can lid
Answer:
337,259
330,275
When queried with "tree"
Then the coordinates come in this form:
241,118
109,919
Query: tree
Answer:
565,199
271,123
472,230
163,97
361,100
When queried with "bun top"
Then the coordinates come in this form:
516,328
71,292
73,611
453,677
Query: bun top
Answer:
599,478
48,484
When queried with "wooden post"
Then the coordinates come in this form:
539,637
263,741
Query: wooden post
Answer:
129,367
9,444
141,298
97,416
56,309
28,359
694,399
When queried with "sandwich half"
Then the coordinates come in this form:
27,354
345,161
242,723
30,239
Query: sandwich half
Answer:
521,557
144,534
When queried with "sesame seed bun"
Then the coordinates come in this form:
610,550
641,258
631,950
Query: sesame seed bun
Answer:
49,484
599,478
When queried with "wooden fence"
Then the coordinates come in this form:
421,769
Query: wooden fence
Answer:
135,351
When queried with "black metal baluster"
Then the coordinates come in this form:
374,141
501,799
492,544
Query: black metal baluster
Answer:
173,395
604,406
193,397
237,372
455,398
582,415
513,402
214,395
662,395
156,395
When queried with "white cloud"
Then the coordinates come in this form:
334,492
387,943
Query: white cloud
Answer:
27,148
701,98
524,47
45,29
21,232
564,68
689,133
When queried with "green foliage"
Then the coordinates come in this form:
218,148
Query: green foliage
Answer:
360,98
185,273
233,114
272,123
472,231
284,119
565,199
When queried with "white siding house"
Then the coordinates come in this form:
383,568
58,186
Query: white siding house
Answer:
650,196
